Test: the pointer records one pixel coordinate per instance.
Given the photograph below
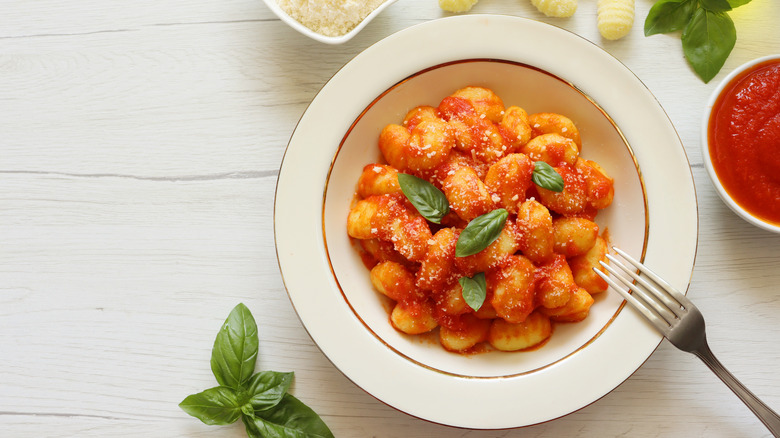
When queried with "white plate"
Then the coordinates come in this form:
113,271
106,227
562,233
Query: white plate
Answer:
654,214
295,24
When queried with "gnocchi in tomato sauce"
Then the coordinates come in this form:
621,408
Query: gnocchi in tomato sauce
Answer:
482,156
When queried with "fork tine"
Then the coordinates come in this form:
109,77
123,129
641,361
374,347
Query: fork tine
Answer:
677,295
664,304
657,320
645,297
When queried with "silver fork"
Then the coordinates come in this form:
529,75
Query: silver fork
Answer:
681,323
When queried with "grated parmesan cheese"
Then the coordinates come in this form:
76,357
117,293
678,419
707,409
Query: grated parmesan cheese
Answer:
329,17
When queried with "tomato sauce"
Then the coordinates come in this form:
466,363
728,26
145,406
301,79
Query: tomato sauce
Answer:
744,140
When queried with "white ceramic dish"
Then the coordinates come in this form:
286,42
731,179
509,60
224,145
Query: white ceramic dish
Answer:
705,143
654,215
290,21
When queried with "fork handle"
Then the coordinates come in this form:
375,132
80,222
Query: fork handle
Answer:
767,416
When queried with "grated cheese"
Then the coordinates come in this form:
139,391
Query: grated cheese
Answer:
329,17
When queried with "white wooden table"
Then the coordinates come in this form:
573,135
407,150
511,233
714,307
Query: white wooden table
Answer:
139,147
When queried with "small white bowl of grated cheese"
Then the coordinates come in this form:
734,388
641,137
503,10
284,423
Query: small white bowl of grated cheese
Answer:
328,21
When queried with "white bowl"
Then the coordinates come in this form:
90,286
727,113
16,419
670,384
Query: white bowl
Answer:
705,142
295,24
653,216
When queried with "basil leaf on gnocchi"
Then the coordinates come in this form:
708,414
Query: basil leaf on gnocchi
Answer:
481,232
474,290
429,201
546,177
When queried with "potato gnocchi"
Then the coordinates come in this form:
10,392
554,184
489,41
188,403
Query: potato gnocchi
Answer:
457,5
482,155
556,8
615,18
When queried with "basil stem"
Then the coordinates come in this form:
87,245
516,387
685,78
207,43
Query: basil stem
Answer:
474,290
429,201
480,232
546,177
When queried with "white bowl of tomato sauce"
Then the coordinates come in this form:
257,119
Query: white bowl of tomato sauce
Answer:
741,141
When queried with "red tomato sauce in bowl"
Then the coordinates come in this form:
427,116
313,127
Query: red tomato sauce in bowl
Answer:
744,140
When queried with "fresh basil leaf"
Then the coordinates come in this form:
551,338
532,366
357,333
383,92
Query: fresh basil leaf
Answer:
716,5
480,232
738,3
266,388
426,198
668,16
474,290
707,41
546,177
215,406
291,418
235,349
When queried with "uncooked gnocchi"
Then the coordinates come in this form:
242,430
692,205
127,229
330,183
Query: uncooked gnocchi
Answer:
614,21
556,8
615,18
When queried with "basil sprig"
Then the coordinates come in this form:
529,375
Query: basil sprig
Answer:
474,290
708,33
426,198
260,399
480,232
546,177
